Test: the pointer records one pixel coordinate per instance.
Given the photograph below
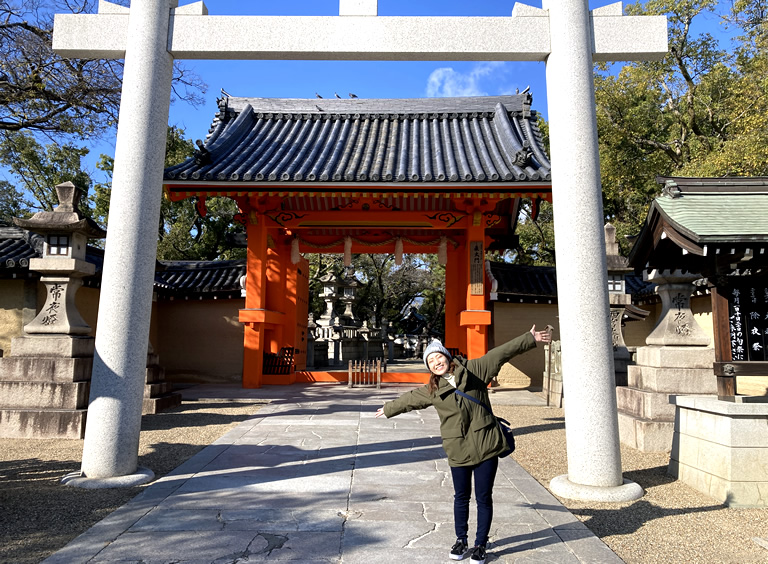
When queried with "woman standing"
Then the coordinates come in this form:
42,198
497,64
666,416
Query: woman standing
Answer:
471,437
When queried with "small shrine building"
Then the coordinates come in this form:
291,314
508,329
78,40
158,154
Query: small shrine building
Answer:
440,175
717,228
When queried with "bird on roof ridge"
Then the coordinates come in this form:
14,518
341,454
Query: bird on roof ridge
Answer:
337,95
318,96
319,109
352,95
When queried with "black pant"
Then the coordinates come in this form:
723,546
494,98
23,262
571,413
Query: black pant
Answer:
485,474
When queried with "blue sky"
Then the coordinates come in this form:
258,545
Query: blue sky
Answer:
367,79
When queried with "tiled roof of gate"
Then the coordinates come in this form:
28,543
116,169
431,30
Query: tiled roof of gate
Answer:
438,140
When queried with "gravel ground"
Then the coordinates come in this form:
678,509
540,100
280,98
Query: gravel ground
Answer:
670,524
38,515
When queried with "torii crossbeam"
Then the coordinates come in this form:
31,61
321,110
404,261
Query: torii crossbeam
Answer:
564,33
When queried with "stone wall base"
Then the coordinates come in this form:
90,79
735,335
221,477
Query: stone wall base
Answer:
644,434
42,424
45,387
720,448
646,418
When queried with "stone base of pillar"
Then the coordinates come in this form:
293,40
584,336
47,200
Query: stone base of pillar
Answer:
77,480
720,448
42,424
646,418
158,392
563,487
44,387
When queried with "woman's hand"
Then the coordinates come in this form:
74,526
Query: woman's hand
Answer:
541,336
379,412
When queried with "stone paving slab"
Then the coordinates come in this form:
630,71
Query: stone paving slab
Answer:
314,477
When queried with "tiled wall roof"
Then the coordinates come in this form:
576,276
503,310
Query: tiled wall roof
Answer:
478,139
525,281
529,283
172,278
17,247
184,278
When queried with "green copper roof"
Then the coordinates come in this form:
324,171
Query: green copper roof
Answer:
717,216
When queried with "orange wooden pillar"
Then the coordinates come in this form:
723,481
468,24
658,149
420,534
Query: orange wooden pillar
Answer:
474,319
254,314
455,290
281,305
302,313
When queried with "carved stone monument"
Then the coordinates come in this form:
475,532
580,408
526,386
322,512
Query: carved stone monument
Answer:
675,360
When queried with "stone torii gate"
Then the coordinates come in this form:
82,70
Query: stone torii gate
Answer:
564,34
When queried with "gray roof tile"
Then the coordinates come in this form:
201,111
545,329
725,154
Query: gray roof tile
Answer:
474,139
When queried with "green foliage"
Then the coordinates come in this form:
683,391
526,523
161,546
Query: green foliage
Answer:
183,234
12,203
698,112
40,168
537,238
43,92
387,290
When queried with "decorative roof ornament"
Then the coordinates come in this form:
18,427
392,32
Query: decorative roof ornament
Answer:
671,189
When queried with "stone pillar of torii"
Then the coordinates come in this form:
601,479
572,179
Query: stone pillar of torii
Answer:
564,34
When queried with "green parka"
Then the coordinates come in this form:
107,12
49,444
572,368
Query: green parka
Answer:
470,434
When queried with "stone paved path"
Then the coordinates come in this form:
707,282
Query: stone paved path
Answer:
315,478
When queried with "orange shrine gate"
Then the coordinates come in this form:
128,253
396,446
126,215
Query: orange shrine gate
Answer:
441,175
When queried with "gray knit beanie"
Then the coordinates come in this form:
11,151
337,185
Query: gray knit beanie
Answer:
433,347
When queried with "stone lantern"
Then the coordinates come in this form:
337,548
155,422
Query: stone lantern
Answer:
45,380
328,295
619,300
347,290
63,266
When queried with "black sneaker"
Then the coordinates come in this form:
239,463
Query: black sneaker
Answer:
478,555
458,550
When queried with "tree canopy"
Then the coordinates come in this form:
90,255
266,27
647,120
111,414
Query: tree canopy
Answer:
386,291
42,92
698,112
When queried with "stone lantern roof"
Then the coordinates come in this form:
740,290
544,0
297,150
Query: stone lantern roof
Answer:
65,218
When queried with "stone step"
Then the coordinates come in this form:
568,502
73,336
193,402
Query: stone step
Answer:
672,380
644,404
42,424
57,346
44,395
154,374
38,369
676,357
161,403
157,389
645,435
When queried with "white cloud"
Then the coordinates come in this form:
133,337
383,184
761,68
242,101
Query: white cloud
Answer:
446,82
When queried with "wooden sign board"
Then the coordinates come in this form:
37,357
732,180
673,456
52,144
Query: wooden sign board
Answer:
476,268
748,321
